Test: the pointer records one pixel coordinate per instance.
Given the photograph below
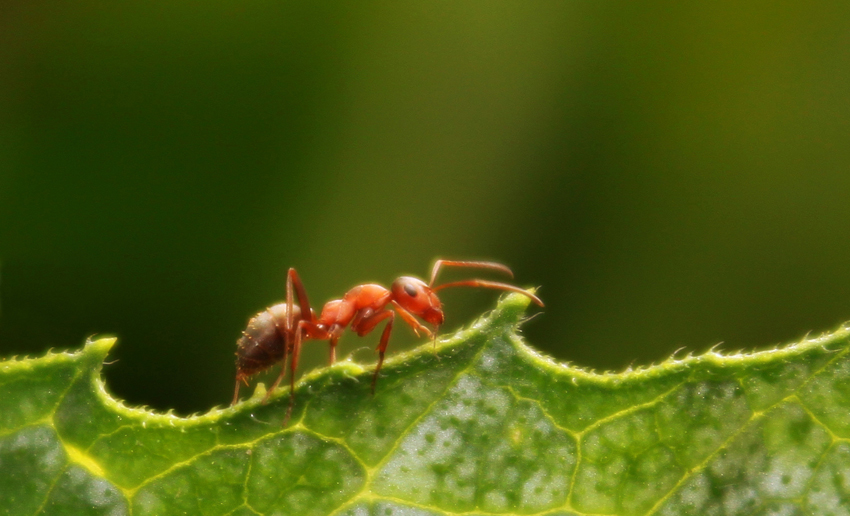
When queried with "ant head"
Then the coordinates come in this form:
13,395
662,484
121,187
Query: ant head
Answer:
415,296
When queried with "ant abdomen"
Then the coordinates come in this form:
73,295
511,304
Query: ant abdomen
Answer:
262,344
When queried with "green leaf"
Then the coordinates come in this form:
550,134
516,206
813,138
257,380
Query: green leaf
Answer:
484,425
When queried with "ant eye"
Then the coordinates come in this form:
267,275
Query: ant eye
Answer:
409,290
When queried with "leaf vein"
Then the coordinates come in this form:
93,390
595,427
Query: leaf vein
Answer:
754,417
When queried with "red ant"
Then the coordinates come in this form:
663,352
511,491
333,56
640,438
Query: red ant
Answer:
280,330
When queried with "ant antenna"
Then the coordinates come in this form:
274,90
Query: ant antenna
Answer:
490,284
439,264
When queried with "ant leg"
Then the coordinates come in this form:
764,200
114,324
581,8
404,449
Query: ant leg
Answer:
235,394
490,284
293,364
313,331
304,330
409,319
416,325
439,264
368,324
382,348
290,313
286,333
280,376
293,280
333,341
236,389
287,339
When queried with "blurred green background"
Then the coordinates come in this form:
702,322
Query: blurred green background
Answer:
671,175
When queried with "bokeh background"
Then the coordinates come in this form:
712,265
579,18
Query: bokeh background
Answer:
672,174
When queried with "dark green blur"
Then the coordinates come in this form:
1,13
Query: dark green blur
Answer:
670,175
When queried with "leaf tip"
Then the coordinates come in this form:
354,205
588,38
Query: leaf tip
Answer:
511,308
259,392
99,348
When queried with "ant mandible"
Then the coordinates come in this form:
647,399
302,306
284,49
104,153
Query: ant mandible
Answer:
281,329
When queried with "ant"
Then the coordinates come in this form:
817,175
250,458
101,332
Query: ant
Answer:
280,330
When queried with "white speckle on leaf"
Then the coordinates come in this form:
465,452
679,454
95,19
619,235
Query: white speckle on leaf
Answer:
496,501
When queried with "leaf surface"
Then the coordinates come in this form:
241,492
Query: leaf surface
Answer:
483,425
